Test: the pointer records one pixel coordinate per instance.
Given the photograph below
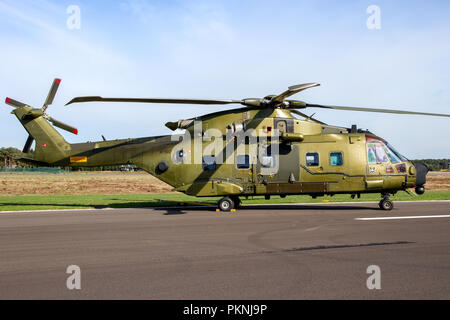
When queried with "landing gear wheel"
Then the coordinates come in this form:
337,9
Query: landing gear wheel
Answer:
226,204
386,204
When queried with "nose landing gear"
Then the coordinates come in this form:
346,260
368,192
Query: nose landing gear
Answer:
386,203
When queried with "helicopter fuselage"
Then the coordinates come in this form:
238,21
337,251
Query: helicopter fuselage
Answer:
312,158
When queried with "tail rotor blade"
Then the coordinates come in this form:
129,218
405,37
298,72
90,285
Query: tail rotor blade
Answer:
63,126
51,94
14,103
28,144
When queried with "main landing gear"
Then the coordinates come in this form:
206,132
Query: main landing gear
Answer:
386,203
227,204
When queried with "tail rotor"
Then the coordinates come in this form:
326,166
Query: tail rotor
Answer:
34,113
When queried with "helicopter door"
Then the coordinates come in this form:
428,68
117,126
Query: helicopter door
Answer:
377,161
280,173
244,170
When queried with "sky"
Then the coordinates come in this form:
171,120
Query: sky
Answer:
229,50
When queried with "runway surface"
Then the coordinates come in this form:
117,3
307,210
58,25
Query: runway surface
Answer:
305,251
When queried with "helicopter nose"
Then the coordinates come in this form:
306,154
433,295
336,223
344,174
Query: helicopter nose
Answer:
421,177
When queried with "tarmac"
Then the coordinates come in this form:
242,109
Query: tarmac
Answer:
304,251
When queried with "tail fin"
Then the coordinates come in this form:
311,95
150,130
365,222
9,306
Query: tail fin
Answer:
51,147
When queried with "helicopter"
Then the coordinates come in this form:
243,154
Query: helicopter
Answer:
259,148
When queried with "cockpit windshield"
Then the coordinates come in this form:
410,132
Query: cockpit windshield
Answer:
398,154
391,154
380,152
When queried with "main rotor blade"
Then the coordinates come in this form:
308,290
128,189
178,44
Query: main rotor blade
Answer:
152,100
376,110
306,116
28,144
62,125
51,94
293,90
14,103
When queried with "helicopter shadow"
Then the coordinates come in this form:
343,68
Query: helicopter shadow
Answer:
308,207
181,210
282,207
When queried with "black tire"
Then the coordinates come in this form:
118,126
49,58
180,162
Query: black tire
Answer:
386,204
226,204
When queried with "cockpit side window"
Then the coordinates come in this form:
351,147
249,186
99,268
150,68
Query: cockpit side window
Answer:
376,154
371,153
209,162
381,155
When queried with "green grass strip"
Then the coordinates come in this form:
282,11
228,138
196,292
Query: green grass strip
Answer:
49,202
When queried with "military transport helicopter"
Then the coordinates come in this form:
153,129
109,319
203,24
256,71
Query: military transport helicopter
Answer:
294,156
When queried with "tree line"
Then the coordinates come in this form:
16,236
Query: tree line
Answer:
435,164
9,156
9,159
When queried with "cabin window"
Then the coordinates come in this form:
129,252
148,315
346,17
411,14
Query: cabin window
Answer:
281,126
336,159
243,161
179,156
312,159
209,163
267,161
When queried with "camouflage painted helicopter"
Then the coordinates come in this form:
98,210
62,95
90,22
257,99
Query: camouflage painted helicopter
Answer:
293,156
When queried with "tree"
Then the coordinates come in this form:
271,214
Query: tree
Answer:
9,155
434,164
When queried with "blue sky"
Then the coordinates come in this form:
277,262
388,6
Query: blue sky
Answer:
229,50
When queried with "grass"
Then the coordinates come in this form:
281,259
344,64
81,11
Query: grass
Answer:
45,202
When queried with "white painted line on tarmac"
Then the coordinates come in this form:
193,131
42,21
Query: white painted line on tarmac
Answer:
359,202
405,217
